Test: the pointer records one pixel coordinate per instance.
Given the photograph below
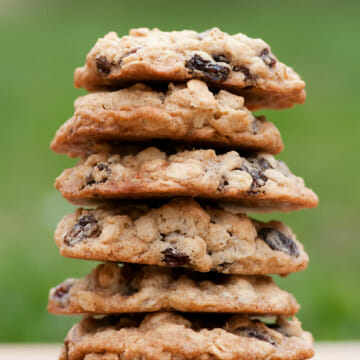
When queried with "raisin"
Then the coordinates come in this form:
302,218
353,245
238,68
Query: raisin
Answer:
100,177
243,69
259,179
266,57
102,166
173,258
256,171
261,162
209,69
278,241
86,226
221,58
61,291
222,184
61,294
103,65
257,334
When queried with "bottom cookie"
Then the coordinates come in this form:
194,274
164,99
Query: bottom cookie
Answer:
174,336
112,288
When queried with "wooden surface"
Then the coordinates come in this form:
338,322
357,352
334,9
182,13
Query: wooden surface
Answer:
324,351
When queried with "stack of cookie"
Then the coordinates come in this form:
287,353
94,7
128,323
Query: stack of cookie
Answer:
172,159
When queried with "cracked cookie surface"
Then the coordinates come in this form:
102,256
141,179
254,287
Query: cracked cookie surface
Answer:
171,336
112,288
233,62
258,182
187,112
181,233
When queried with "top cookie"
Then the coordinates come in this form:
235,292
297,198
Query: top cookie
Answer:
233,62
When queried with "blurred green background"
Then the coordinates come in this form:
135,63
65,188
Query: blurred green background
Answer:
41,44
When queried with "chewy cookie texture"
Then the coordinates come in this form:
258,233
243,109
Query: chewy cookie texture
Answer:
172,158
181,233
258,181
187,112
166,335
233,62
112,288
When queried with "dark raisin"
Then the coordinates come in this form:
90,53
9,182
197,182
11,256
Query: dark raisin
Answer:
102,166
105,172
103,65
266,57
221,58
222,184
173,258
278,241
209,69
261,162
86,226
257,334
259,178
256,168
243,69
61,291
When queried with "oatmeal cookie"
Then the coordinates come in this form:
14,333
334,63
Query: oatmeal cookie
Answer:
232,62
258,181
112,288
172,336
187,112
181,233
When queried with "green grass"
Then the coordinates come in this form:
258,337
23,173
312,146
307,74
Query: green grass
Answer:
42,43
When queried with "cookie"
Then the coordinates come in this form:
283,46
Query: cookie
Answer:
111,288
187,112
232,62
166,336
181,233
260,181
